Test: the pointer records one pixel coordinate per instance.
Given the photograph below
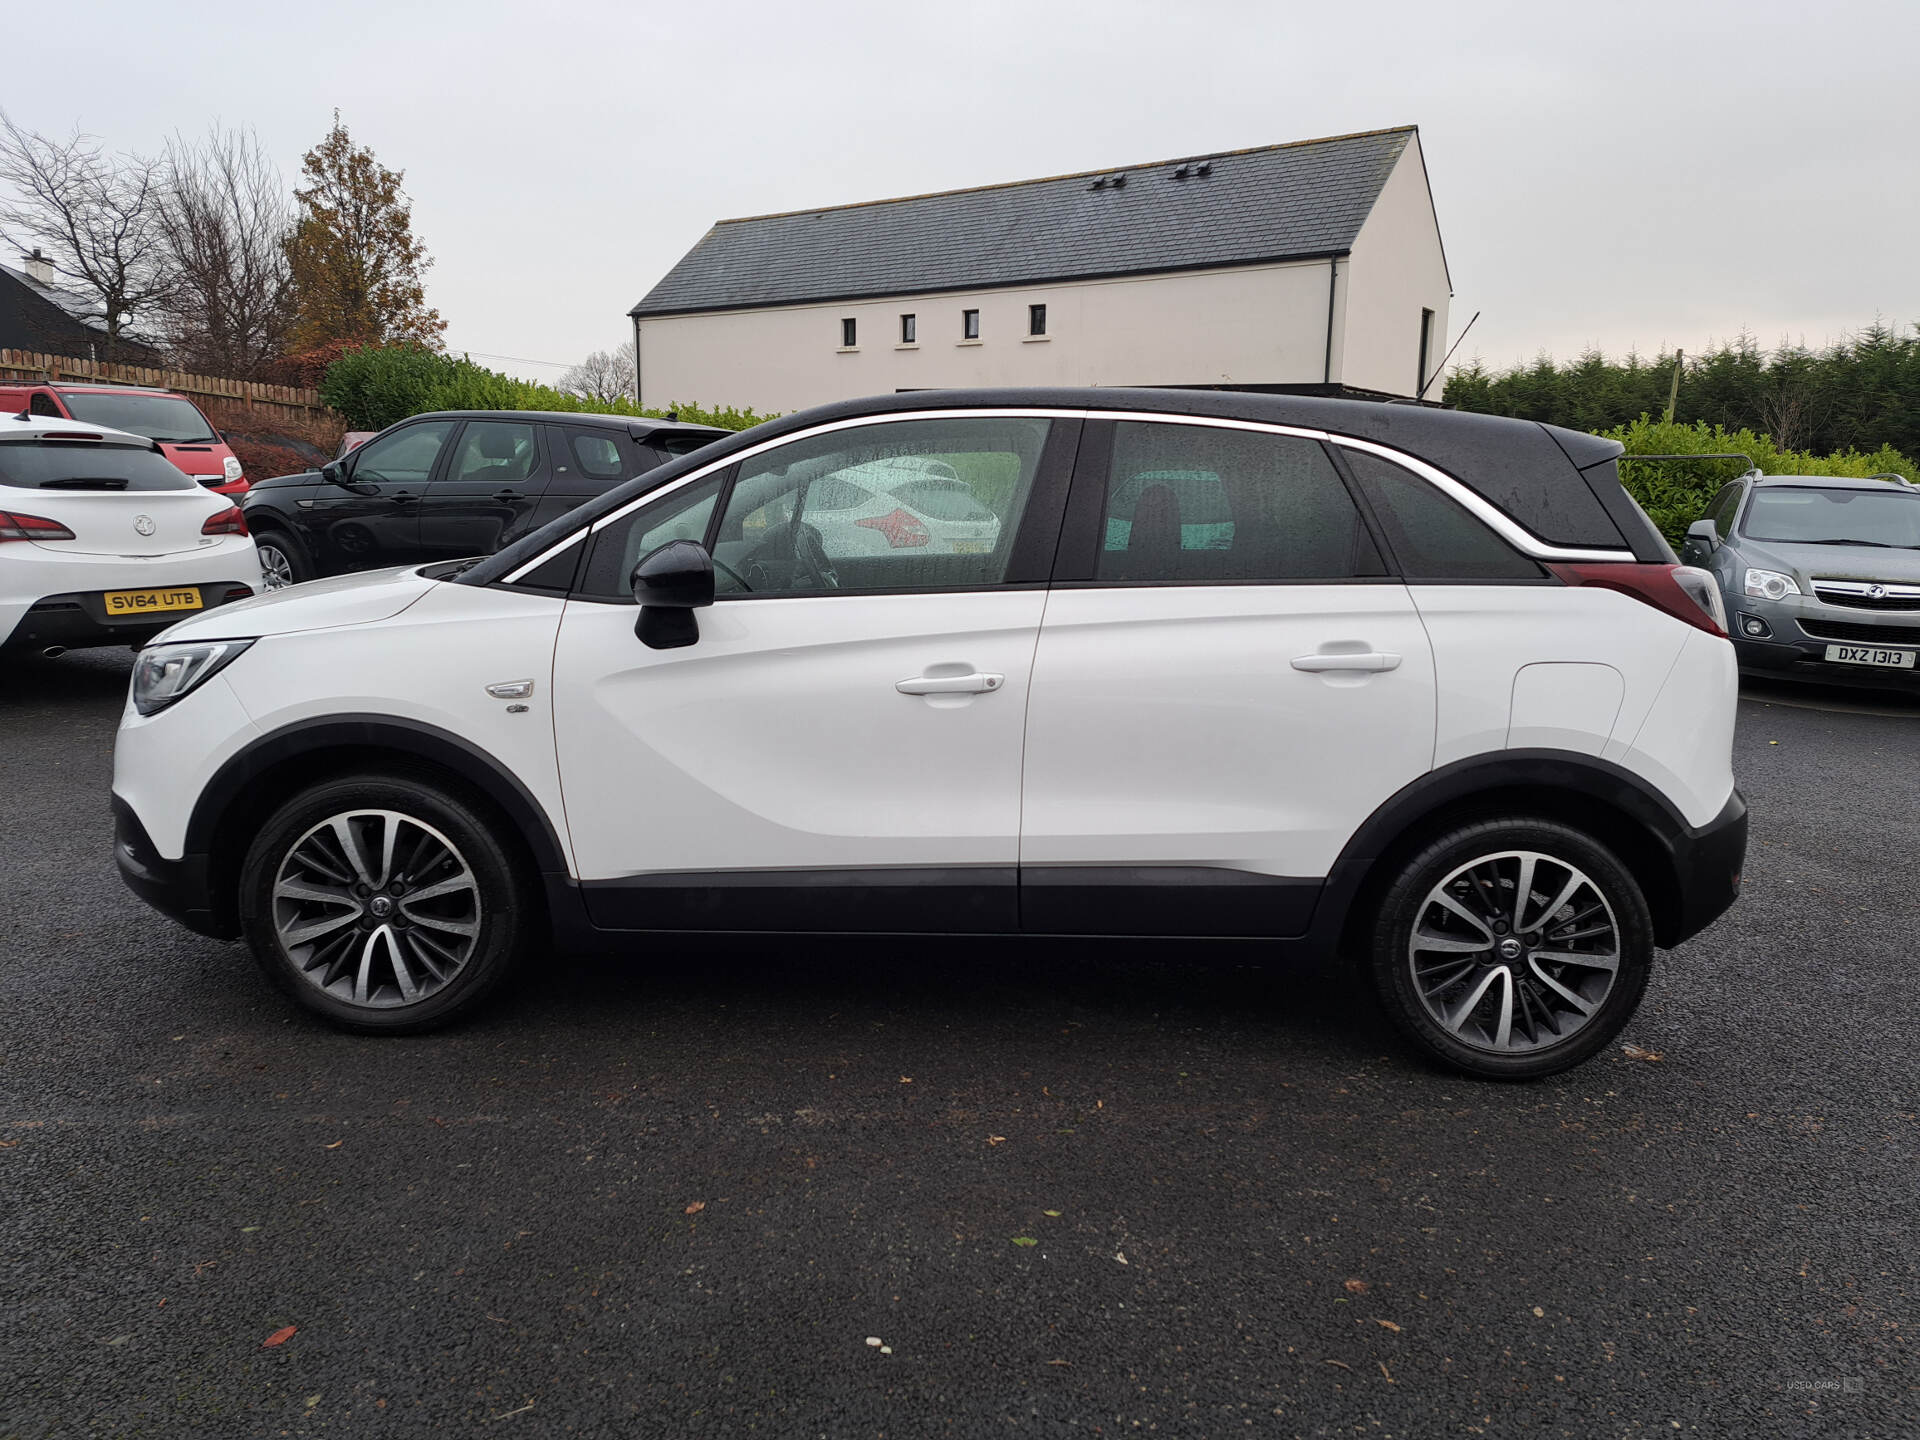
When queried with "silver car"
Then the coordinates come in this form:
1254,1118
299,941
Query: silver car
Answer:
1821,575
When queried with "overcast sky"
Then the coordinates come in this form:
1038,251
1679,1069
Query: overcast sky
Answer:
1610,174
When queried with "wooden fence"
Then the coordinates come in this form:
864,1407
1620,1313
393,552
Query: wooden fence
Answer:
268,402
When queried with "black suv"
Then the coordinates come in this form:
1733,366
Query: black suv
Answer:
450,484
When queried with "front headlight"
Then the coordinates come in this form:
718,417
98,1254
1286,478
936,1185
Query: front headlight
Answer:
166,673
232,467
1770,585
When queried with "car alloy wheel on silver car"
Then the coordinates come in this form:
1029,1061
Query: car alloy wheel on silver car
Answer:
276,570
376,908
1514,951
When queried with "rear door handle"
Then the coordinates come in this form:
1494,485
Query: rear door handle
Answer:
1368,662
978,683
506,497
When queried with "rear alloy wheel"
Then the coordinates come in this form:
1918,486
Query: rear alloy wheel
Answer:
280,566
384,904
1512,949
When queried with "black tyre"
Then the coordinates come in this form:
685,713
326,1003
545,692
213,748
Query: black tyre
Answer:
387,904
283,561
1511,948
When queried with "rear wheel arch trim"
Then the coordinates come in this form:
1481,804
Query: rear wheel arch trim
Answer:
405,740
1560,773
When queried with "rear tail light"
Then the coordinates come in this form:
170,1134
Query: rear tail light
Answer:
902,529
1681,590
228,522
15,526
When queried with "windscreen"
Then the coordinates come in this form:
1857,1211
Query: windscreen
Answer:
166,418
1888,517
87,465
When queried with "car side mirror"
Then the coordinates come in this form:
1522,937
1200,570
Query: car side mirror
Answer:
669,584
1703,537
334,473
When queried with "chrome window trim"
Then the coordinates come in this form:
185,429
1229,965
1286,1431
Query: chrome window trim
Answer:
1488,514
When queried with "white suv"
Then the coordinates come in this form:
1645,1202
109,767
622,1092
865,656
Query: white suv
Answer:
104,541
1423,689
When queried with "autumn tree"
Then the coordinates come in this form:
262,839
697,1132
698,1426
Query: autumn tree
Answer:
355,263
95,217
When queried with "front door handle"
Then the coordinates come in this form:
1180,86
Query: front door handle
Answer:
1368,662
400,497
978,683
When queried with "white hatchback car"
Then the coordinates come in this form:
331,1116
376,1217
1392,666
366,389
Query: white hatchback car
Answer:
1424,689
104,541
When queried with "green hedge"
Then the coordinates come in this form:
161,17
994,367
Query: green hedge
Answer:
1676,493
374,388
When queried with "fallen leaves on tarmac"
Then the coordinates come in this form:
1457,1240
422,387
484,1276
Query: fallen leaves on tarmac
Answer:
279,1337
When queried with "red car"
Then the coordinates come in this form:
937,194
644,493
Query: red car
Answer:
180,427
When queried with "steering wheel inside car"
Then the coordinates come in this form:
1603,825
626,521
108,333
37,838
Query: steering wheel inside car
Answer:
809,552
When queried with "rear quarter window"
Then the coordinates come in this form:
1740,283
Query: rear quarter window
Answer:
1432,536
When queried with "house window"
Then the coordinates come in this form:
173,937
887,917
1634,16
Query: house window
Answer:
1426,351
849,334
909,330
970,324
1036,320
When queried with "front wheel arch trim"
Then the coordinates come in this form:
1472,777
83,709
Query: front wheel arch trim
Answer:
369,738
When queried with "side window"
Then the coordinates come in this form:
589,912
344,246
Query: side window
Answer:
1204,506
1434,537
496,452
598,454
42,404
1725,506
683,515
912,505
404,457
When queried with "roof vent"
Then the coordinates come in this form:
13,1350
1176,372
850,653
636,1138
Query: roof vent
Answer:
1191,170
1109,182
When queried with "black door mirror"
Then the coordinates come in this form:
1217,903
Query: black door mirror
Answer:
1703,538
669,584
334,473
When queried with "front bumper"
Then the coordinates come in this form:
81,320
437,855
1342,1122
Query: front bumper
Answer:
1706,868
176,888
1799,630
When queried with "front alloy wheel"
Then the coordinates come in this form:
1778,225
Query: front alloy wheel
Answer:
386,903
376,908
1512,948
276,565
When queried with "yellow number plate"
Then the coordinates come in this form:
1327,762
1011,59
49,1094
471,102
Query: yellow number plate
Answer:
143,602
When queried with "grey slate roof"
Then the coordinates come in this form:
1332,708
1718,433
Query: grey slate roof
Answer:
1277,202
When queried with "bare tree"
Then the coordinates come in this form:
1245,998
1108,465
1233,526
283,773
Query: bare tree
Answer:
225,216
96,218
603,376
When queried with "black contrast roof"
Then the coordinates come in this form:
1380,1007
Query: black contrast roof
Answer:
1563,485
1278,202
